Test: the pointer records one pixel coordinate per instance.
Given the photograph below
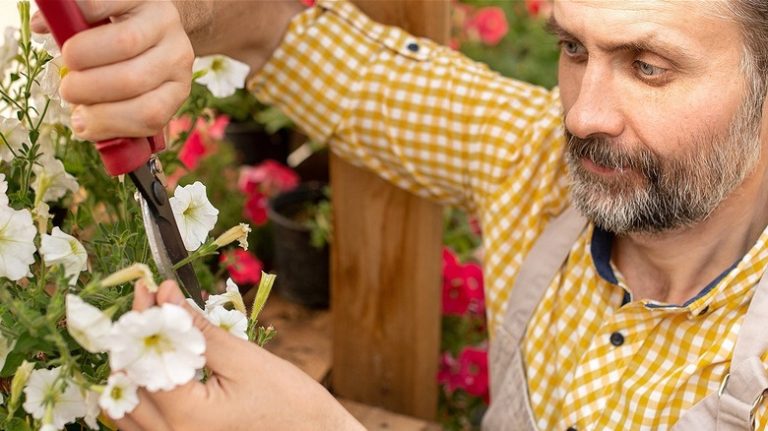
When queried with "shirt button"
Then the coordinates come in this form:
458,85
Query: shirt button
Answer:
413,47
617,339
571,429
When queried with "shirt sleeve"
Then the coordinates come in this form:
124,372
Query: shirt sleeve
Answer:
421,115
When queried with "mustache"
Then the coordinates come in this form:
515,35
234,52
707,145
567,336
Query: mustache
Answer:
604,152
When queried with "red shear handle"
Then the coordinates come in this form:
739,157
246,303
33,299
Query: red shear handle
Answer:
119,155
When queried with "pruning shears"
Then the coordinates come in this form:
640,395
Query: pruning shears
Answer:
134,157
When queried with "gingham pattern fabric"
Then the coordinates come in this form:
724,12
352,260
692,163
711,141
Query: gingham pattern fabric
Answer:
441,126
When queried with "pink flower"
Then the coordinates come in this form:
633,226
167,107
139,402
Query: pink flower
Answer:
473,371
448,372
490,23
192,151
201,140
255,209
243,267
268,178
308,3
462,286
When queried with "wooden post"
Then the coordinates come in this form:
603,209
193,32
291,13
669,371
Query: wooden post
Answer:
386,267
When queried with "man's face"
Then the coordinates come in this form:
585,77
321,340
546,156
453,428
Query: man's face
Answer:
658,118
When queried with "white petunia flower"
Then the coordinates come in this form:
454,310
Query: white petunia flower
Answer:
92,409
119,397
51,180
3,191
194,214
50,79
232,321
88,325
222,75
12,135
48,427
9,48
158,348
46,390
17,246
48,43
231,296
59,248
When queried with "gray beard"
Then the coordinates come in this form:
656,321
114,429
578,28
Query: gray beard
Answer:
655,194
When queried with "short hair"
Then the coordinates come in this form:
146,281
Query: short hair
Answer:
752,16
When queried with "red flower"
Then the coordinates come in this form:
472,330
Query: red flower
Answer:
462,286
243,267
308,3
255,208
490,23
268,178
473,371
539,8
192,151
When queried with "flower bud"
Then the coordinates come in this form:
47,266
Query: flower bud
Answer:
237,233
19,381
137,271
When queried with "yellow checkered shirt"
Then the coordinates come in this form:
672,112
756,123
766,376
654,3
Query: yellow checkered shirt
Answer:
444,127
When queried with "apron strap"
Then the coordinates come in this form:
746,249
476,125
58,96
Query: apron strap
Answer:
744,386
539,268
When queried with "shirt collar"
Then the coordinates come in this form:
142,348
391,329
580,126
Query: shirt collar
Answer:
601,247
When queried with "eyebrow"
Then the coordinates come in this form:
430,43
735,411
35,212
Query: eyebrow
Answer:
674,54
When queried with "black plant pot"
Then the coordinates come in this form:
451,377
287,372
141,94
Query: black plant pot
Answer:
302,269
253,145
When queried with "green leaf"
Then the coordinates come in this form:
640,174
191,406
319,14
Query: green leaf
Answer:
20,115
14,77
12,362
33,135
18,424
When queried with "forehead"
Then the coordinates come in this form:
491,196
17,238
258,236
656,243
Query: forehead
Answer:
693,24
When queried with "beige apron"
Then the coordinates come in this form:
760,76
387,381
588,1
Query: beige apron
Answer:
730,409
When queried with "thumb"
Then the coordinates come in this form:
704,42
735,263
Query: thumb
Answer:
220,345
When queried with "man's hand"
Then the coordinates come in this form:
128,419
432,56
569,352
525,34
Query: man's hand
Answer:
127,78
249,389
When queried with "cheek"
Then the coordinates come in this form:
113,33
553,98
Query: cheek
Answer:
569,80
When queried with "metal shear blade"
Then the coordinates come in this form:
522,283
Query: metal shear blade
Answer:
162,232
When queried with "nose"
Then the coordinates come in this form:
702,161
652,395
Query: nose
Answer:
597,108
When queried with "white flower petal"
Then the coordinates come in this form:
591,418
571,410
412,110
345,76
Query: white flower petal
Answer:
17,247
51,180
12,136
223,75
88,325
194,214
44,389
158,348
59,248
232,321
119,397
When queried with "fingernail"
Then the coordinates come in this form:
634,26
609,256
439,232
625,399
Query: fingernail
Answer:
36,19
78,124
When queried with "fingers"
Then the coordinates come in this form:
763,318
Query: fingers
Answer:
220,346
144,115
117,41
129,77
137,76
38,24
142,297
145,416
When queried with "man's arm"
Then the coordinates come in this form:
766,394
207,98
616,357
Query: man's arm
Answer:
248,31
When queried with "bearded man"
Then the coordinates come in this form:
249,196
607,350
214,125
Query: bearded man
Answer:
624,213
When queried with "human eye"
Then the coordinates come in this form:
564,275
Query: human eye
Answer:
649,72
572,48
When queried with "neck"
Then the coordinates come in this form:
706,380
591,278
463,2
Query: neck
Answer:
675,266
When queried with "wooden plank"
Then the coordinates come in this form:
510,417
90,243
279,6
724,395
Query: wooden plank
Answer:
386,267
303,335
376,419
